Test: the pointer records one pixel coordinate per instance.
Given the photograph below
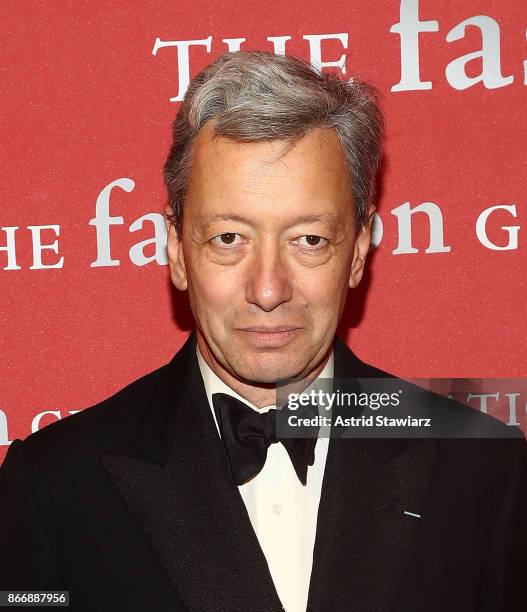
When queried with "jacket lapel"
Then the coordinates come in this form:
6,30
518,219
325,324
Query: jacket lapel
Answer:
364,538
178,485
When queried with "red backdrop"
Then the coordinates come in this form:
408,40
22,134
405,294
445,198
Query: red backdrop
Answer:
87,101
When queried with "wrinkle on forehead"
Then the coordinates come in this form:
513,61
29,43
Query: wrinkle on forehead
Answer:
265,156
308,174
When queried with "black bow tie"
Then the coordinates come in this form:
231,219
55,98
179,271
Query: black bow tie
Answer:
247,434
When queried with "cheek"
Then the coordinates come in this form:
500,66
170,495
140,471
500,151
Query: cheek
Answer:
323,296
213,292
322,287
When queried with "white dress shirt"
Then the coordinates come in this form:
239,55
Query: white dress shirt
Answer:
283,512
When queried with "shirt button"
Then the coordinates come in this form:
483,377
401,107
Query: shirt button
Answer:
277,509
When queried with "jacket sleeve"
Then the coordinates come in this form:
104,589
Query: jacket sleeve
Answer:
503,580
25,557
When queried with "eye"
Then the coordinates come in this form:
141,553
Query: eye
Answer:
225,240
311,242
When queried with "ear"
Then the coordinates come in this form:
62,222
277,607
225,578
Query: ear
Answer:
176,260
360,250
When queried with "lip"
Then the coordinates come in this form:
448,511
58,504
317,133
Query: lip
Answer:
270,330
270,336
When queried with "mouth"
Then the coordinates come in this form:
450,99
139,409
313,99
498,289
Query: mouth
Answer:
270,330
270,336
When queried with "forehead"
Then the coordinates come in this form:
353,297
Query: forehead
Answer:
227,172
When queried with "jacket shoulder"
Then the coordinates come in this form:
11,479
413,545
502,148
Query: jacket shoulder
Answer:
458,425
108,423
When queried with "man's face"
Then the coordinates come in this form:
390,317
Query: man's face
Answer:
267,252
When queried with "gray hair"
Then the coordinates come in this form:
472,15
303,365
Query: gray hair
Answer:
257,95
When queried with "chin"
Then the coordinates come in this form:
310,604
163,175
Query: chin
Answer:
259,377
269,369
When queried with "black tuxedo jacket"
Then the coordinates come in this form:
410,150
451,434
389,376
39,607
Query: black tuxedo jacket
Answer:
130,505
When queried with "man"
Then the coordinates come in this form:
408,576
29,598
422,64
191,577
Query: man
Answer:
175,494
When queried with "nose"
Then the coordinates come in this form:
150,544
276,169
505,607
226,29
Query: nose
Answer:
268,281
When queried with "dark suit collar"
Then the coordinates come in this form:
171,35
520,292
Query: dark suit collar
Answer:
179,390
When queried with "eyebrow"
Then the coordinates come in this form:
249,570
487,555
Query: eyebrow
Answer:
328,218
